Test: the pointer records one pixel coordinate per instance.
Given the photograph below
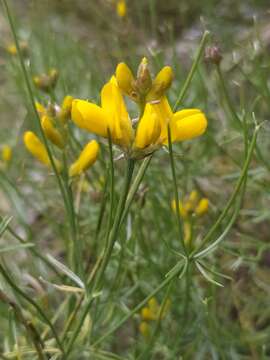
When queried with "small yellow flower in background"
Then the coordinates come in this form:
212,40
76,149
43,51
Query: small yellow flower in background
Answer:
152,130
46,82
6,153
51,132
202,207
121,8
152,312
24,49
192,205
144,329
40,109
86,158
38,150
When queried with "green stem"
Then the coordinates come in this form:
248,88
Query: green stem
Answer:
33,303
176,196
32,100
192,70
108,250
197,253
173,274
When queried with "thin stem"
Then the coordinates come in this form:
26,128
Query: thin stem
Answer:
180,268
232,198
33,303
32,99
176,196
192,70
108,250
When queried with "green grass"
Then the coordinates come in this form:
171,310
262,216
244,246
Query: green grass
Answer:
60,298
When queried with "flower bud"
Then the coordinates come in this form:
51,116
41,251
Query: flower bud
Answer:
125,79
66,106
86,158
24,49
6,153
51,132
213,55
38,150
121,8
161,84
46,82
144,329
144,80
202,207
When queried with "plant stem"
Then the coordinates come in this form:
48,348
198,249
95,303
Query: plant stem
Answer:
33,303
192,70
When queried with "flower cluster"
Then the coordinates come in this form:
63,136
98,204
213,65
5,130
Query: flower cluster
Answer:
138,138
192,207
53,121
46,82
152,312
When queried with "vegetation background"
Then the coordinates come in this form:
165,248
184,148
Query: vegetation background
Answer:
84,41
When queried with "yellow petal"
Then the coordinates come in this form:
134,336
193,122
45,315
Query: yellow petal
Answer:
86,158
125,78
153,305
202,207
51,132
40,108
36,148
113,105
148,130
189,124
161,83
148,314
165,114
6,153
90,117
66,108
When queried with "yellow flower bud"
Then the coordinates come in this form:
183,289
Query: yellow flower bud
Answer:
38,150
144,329
40,109
153,305
6,153
144,80
46,82
161,84
51,132
182,208
148,314
202,207
24,49
125,79
187,232
66,108
86,158
121,8
194,196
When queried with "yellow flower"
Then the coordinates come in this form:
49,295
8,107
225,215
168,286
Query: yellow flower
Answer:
6,153
86,158
51,132
37,149
121,8
12,50
46,82
144,329
192,205
111,117
152,131
202,207
40,109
